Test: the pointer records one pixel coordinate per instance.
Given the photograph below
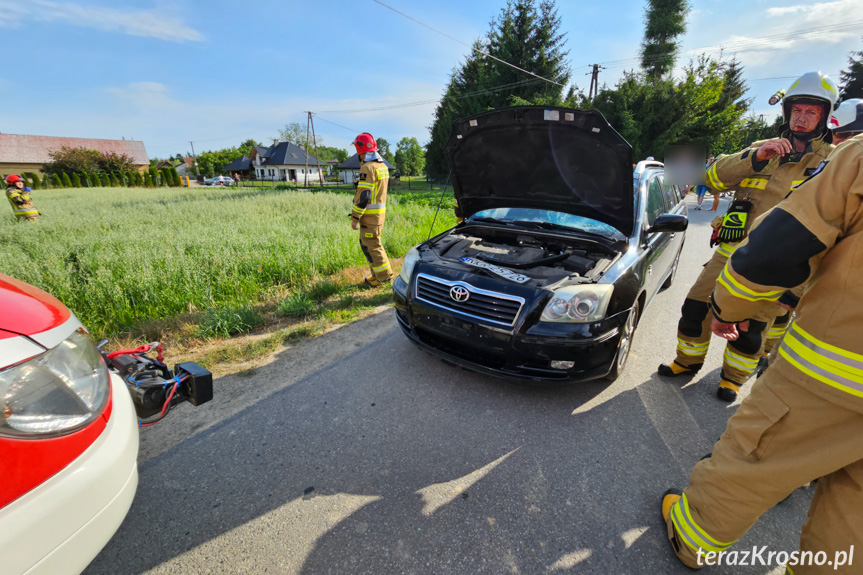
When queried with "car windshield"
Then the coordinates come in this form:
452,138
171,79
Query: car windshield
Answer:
556,219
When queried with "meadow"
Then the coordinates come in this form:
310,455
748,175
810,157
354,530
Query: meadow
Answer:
120,257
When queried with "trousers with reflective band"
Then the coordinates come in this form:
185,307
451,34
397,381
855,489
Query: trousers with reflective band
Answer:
774,443
838,368
373,250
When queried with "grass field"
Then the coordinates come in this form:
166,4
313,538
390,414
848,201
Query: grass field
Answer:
122,257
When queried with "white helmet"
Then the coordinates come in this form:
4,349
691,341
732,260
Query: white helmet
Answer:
848,117
812,88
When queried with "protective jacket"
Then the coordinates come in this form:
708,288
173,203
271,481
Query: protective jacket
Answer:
22,203
822,219
370,200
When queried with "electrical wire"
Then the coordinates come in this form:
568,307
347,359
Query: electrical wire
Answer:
477,50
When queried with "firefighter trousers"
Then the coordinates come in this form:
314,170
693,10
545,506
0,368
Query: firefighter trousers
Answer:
782,436
693,330
370,242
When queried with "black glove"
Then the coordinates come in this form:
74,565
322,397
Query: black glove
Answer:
733,228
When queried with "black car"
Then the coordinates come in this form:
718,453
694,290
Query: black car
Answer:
562,248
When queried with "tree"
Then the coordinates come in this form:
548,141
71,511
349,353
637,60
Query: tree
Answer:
112,162
24,179
246,147
384,150
76,181
852,78
55,181
35,182
71,160
409,157
296,133
115,183
665,21
67,182
175,177
527,34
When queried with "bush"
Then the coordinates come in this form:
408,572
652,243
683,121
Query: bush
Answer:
104,180
55,181
65,180
228,322
35,182
298,304
115,183
76,181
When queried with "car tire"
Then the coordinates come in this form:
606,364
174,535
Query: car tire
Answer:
625,344
670,279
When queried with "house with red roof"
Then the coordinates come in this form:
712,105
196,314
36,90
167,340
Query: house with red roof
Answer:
24,154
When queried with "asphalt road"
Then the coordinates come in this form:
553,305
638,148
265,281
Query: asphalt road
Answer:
385,460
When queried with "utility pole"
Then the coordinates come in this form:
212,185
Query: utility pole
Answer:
308,122
594,81
194,157
317,157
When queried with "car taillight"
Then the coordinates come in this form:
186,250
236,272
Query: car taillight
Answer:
55,393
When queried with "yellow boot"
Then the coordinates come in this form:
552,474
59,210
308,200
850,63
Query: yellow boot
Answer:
727,390
674,369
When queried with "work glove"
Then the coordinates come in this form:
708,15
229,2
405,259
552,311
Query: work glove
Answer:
733,226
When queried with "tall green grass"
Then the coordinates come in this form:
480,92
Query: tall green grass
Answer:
120,257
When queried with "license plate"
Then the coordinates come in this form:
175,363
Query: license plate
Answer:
497,270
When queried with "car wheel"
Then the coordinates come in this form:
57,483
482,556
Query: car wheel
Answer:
667,283
625,343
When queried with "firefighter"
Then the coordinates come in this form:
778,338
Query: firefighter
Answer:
762,175
369,211
847,120
803,419
19,198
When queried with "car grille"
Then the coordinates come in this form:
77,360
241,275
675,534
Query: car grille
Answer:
493,307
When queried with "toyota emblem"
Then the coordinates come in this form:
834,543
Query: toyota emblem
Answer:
459,293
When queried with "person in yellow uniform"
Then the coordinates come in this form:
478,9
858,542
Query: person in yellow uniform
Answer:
804,418
20,200
762,175
370,208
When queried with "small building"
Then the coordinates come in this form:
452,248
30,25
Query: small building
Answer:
349,170
242,166
285,162
25,154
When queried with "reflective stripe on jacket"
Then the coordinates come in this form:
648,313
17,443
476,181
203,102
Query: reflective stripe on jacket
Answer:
370,200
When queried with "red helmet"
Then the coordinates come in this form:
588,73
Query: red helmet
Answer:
365,143
12,179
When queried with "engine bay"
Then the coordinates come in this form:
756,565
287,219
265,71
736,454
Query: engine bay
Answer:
545,258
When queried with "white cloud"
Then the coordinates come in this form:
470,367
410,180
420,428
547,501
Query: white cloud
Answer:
161,24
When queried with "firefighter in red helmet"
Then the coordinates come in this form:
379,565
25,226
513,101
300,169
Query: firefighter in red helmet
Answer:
369,211
19,198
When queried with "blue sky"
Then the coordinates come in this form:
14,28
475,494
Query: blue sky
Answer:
218,72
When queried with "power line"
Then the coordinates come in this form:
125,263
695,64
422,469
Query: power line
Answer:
477,50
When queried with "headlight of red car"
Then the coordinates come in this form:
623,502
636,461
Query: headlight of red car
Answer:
55,393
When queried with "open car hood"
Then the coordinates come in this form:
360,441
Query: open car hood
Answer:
546,158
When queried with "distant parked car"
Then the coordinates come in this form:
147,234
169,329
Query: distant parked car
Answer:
220,181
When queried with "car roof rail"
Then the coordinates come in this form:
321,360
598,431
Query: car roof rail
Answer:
643,165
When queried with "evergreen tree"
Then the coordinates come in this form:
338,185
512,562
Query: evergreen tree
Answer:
175,177
115,183
67,182
86,180
24,179
55,181
665,21
76,181
852,78
527,34
35,182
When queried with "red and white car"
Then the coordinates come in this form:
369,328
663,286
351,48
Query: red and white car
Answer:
68,438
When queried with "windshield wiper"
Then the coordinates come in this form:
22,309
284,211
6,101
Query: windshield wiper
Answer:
489,220
553,226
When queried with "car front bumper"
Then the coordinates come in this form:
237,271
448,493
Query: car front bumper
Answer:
591,348
61,525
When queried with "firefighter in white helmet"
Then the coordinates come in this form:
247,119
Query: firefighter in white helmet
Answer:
762,175
847,120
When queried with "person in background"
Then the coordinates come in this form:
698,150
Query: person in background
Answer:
19,198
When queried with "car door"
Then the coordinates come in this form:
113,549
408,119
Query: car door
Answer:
658,256
676,205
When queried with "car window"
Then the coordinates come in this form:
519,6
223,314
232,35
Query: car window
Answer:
558,218
670,197
655,201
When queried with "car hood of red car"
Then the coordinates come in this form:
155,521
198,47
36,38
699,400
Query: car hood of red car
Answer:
28,310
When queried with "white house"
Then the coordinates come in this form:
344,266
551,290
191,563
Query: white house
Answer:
349,170
285,162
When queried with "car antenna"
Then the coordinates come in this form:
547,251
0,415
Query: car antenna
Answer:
440,201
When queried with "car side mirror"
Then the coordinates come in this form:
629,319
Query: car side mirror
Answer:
669,223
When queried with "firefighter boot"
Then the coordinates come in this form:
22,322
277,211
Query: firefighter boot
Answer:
674,369
727,390
669,498
375,282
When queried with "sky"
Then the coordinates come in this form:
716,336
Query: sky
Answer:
217,72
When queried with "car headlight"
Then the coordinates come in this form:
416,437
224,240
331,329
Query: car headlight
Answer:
55,393
578,304
411,259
